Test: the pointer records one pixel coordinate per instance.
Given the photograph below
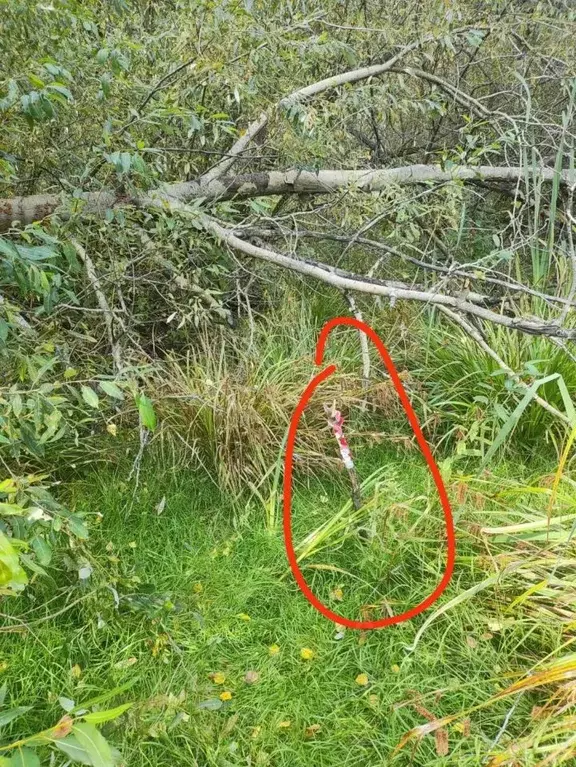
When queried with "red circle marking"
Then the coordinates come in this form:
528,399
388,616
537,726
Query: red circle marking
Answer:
288,461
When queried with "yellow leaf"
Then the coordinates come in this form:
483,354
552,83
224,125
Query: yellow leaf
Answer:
362,680
306,653
76,671
244,617
284,724
218,677
395,668
8,486
226,695
274,649
112,429
197,588
63,728
312,730
337,594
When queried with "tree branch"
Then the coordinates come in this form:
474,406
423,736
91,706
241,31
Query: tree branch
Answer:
109,316
224,165
449,271
354,282
271,183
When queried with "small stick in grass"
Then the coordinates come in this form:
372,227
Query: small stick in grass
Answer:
336,422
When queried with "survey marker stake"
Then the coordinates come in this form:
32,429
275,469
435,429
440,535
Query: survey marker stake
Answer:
336,423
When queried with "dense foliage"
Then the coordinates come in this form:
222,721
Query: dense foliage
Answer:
140,321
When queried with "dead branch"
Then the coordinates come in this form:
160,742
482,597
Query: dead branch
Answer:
354,282
109,316
384,248
263,184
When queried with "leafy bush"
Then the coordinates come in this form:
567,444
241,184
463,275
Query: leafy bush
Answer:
32,523
75,735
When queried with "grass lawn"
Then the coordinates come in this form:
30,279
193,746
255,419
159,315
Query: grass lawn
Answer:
194,602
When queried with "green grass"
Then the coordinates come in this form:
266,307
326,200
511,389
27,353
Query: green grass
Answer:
169,601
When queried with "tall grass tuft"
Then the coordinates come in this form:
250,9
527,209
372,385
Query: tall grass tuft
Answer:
229,400
470,398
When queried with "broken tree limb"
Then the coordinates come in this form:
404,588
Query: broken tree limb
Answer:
352,76
348,281
262,184
385,248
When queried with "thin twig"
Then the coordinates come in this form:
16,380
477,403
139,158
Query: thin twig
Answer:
109,316
363,345
571,254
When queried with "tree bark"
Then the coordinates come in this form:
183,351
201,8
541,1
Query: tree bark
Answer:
262,184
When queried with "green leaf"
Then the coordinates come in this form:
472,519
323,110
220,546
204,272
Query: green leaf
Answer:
125,161
568,404
77,527
211,704
11,510
25,757
90,397
32,565
17,406
13,713
105,696
99,717
73,749
94,744
11,573
34,253
62,90
146,411
29,438
42,549
66,703
52,68
111,389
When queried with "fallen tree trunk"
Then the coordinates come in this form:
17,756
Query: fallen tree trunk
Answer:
250,185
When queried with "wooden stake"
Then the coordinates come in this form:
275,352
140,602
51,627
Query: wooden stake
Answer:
336,422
